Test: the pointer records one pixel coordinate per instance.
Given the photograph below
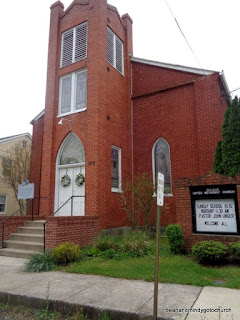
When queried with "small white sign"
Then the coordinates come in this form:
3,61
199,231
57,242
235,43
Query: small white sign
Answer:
160,189
26,191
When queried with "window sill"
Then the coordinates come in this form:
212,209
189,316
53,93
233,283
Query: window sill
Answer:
69,113
115,190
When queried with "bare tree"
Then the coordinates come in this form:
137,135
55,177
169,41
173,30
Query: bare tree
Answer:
138,200
16,167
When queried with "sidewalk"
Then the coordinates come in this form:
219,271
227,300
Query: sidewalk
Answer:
123,299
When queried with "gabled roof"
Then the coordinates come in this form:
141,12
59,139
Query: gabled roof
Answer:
16,137
203,72
174,66
38,116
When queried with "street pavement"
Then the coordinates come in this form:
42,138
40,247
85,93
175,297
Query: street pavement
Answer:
122,299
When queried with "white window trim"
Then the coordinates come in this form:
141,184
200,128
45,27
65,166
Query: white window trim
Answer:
74,44
119,189
114,51
73,95
4,195
153,168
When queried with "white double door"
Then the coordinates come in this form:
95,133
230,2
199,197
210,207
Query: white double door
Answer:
76,205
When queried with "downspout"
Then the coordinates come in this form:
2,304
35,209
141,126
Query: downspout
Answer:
132,140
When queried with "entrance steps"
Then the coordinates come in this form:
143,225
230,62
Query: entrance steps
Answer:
28,240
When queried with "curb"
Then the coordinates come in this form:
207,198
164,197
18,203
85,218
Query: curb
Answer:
71,308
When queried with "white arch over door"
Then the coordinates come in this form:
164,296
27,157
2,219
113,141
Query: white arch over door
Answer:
70,163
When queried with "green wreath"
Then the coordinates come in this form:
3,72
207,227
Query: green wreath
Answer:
65,180
79,180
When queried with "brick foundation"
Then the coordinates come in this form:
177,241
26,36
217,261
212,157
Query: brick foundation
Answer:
81,230
184,209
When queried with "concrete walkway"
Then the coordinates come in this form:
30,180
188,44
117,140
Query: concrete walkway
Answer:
123,299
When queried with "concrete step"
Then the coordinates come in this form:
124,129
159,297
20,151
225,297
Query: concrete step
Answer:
29,237
23,245
34,224
31,230
16,253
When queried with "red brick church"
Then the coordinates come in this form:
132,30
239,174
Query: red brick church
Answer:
110,116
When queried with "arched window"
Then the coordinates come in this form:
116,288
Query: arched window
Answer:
72,151
161,163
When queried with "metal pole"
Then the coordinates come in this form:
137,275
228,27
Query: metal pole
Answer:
2,235
71,205
32,208
155,303
44,242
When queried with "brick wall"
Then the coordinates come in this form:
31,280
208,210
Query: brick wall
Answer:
79,230
11,225
187,111
184,208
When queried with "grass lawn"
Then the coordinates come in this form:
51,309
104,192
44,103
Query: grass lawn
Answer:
180,269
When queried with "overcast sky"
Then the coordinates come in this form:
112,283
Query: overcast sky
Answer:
210,26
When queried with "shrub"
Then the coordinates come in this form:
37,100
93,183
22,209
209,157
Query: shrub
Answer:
66,252
175,237
41,262
135,243
210,252
106,242
234,249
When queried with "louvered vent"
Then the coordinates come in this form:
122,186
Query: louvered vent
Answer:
81,42
67,48
114,51
74,45
119,55
110,47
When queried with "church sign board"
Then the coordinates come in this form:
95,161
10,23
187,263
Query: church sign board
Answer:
215,209
26,191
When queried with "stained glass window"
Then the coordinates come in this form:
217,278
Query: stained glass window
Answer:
73,151
162,163
116,168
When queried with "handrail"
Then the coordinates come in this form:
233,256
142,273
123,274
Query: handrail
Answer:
44,224
3,222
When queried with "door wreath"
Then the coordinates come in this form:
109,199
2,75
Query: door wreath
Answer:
79,180
65,180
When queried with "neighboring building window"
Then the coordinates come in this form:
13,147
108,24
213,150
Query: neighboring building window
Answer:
73,92
161,163
3,204
115,51
116,169
74,45
24,144
6,166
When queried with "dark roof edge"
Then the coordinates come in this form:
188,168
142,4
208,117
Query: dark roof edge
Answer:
38,116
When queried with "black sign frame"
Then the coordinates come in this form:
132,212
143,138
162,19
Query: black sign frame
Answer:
207,192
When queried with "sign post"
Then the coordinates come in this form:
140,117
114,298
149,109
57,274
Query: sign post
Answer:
160,194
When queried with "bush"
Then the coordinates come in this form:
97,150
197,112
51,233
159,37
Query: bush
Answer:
66,252
106,242
41,262
135,243
210,252
175,238
234,249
